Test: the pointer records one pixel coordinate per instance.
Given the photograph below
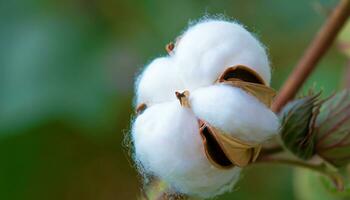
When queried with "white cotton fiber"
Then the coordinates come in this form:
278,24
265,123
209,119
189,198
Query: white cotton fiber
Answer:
206,49
166,135
158,82
234,111
169,146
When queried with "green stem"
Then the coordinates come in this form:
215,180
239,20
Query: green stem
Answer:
285,161
320,168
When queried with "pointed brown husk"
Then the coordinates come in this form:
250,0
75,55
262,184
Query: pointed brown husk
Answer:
225,151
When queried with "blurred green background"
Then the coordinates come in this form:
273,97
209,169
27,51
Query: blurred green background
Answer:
66,86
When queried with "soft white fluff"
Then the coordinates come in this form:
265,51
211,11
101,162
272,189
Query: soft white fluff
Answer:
209,47
168,145
158,82
166,136
235,112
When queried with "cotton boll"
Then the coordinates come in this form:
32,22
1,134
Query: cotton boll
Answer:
166,136
235,112
206,49
169,146
158,82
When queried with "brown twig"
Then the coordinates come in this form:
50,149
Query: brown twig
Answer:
313,54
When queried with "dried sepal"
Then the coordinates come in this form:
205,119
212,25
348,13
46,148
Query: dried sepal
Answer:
225,151
298,125
250,81
242,73
263,93
212,148
140,108
333,129
169,47
183,98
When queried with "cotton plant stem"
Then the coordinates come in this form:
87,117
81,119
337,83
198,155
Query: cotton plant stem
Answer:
291,162
313,54
320,168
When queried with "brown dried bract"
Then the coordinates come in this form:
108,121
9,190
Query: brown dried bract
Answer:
225,151
242,73
250,81
140,108
169,47
183,98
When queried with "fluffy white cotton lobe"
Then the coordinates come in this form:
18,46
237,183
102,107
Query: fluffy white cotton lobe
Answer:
206,49
235,112
168,145
158,82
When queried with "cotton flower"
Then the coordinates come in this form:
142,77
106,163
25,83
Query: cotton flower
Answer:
197,141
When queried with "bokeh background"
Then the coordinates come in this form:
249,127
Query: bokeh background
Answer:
66,86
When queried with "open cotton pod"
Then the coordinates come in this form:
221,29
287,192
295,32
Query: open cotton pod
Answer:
203,111
225,151
233,137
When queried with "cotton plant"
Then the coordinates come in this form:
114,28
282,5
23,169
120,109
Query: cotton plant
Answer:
203,113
